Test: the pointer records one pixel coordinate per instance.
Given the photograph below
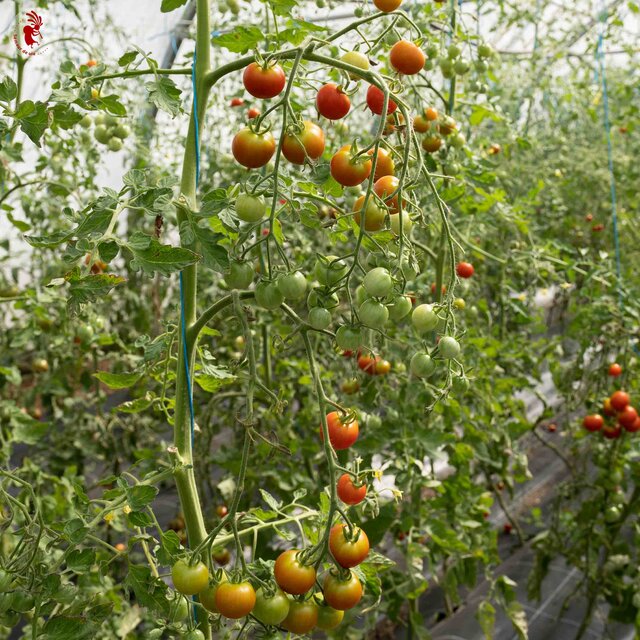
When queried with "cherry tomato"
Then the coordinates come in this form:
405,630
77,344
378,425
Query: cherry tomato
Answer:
627,417
291,575
302,617
464,269
387,6
593,422
271,610
374,215
424,318
447,126
292,285
268,296
431,114
236,102
399,308
253,113
343,432
250,208
251,149
40,365
235,599
448,348
383,367
422,365
494,149
263,82
378,282
348,552
349,492
607,409
342,594
189,579
615,370
356,59
384,187
222,556
385,166
373,314
329,618
431,144
194,634
348,170
611,432
348,337
421,124
375,101
368,363
302,145
330,270
332,102
91,63
406,58
634,427
619,400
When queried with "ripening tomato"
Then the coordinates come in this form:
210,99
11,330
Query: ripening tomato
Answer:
627,416
252,113
375,101
615,370
464,269
91,63
447,126
374,215
291,575
236,102
593,422
619,400
349,548
385,166
299,146
332,102
343,432
431,114
611,432
189,579
302,617
406,58
350,386
349,492
342,594
272,609
386,6
431,144
607,409
367,363
494,149
263,81
251,149
329,618
356,59
383,367
349,170
235,599
421,124
386,186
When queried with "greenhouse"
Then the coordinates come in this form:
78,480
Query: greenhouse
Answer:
319,320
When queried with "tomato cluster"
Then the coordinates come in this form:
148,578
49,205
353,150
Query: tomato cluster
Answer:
618,413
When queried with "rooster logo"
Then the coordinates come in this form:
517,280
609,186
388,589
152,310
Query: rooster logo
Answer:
32,35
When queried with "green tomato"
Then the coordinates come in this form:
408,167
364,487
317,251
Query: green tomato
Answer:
268,296
155,634
373,314
85,333
461,67
348,337
446,65
114,144
189,579
421,365
356,59
460,384
481,66
178,608
22,602
86,121
361,294
373,421
612,514
329,618
101,134
319,318
110,121
485,50
424,318
292,285
454,50
100,118
240,275
378,282
394,221
122,131
250,208
432,50
330,270
195,634
448,347
271,611
6,601
399,307
6,580
429,64
458,141
451,169
319,298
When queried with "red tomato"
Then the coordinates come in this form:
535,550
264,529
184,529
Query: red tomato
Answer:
634,427
619,400
348,551
385,166
253,113
589,217
387,6
251,149
464,269
263,82
375,101
607,409
349,492
611,432
615,370
347,170
306,144
368,363
343,432
235,600
291,575
406,58
627,417
237,102
342,594
332,102
597,227
384,187
593,423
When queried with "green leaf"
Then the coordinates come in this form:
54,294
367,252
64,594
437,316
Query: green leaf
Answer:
113,105
171,5
140,495
169,547
127,58
150,592
117,380
65,627
28,430
90,288
135,406
81,560
214,255
12,375
240,39
282,7
164,94
20,225
35,122
210,384
480,112
64,116
75,531
486,615
151,256
518,619
8,89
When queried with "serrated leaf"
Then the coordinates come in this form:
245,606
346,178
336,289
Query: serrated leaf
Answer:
210,383
75,531
90,288
135,406
127,58
140,495
486,616
160,258
150,592
35,122
28,430
117,380
214,255
64,116
240,39
8,89
113,105
81,560
65,627
164,94
171,5
12,374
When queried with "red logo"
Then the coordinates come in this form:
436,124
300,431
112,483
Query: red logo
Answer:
32,34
